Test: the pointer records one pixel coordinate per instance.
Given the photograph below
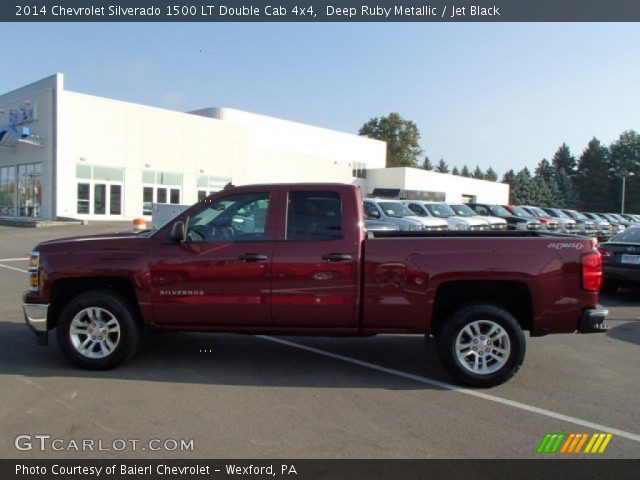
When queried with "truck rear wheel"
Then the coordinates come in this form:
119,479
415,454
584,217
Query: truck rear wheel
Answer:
98,330
481,345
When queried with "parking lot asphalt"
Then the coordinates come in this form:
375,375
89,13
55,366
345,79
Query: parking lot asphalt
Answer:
299,397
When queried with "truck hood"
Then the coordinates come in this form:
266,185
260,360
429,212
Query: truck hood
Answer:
71,241
492,220
430,221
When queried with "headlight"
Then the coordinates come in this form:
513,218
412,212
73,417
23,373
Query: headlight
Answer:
413,227
462,226
34,270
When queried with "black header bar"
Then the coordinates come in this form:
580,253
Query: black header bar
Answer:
319,11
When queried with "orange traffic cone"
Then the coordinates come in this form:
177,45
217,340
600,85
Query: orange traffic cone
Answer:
139,224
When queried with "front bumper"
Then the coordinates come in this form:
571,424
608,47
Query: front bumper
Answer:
592,320
35,315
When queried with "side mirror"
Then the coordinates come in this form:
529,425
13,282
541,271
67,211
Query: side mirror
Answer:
178,234
374,214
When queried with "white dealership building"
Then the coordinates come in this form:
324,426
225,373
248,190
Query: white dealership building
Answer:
65,154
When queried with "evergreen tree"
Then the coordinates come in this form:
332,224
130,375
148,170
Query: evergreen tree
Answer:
592,179
525,189
545,171
426,164
455,171
478,173
465,171
491,175
563,161
624,160
442,166
509,177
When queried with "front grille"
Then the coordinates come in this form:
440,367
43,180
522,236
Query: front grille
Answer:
478,228
552,226
534,226
571,226
436,229
499,226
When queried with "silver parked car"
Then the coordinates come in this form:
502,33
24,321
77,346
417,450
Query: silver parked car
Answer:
445,212
464,210
396,212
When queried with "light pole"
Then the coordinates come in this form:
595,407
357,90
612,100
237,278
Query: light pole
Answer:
624,182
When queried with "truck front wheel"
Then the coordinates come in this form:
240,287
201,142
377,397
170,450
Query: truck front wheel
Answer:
98,330
481,345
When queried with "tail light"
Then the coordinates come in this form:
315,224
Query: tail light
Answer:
592,271
34,270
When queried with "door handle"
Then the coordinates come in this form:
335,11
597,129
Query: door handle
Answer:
252,257
337,257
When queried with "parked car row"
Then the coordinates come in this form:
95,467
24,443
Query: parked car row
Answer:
415,215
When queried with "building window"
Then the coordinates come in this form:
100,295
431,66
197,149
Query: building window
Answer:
359,170
160,187
99,190
8,191
468,198
30,190
208,184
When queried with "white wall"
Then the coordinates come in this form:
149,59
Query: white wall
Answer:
244,147
454,186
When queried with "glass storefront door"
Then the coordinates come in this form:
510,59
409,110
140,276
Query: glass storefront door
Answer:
99,198
30,190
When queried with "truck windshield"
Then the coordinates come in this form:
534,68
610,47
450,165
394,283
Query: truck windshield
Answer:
395,209
498,211
538,212
463,210
577,215
440,210
520,212
557,213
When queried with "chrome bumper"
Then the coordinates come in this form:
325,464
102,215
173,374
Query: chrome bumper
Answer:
35,314
593,319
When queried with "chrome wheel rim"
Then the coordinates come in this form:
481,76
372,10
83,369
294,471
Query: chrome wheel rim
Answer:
483,347
94,332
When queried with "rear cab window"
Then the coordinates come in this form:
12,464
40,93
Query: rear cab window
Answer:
314,216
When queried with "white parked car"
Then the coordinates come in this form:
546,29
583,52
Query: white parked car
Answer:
445,212
395,212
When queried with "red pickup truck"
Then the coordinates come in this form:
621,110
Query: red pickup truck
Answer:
295,259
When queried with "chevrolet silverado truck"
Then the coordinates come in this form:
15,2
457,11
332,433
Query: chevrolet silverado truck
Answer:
301,263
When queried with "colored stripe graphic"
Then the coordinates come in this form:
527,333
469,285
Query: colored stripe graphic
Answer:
572,443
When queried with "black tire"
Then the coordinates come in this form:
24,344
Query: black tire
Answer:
125,344
491,315
609,287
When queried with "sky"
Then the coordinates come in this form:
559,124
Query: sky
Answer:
499,95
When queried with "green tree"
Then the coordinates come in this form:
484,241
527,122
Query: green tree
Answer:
564,161
548,191
592,179
525,190
624,159
491,175
478,173
564,164
442,166
465,171
426,164
509,177
455,171
402,137
545,171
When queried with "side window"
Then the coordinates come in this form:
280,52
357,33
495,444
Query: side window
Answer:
417,210
481,210
237,218
314,216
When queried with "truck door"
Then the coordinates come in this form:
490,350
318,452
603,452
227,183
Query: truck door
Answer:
316,262
220,276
